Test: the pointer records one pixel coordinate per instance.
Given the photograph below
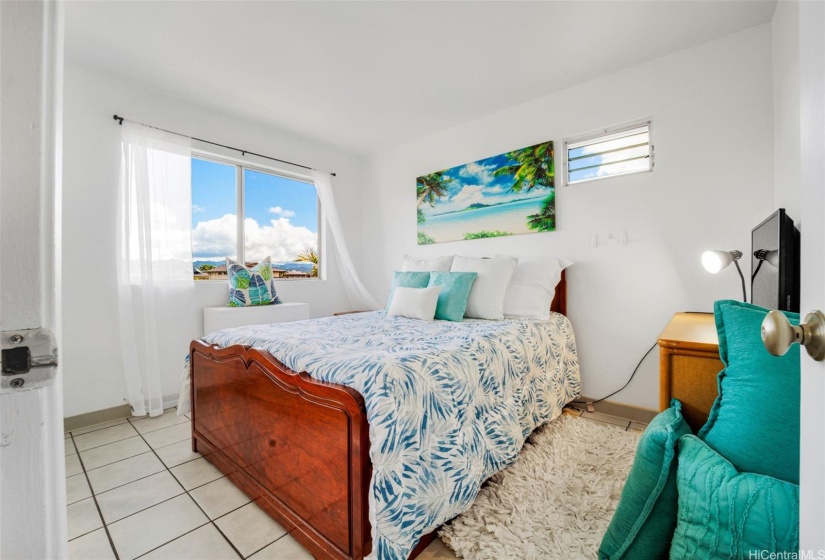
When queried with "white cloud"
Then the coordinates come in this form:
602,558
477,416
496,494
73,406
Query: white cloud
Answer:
482,173
468,195
281,212
196,209
280,240
215,239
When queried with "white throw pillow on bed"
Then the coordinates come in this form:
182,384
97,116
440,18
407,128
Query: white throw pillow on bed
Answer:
440,264
487,295
415,303
533,286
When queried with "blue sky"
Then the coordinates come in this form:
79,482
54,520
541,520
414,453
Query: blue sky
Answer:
213,195
281,215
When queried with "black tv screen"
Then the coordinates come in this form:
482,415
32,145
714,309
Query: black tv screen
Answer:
775,263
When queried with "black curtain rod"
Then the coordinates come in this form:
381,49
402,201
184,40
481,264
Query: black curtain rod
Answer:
243,152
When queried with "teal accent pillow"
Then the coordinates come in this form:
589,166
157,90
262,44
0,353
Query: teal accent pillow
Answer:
251,286
724,514
742,425
455,291
407,280
644,522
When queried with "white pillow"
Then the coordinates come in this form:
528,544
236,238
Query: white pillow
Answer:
533,286
487,295
440,264
415,303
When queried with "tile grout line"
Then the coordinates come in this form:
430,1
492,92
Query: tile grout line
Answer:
218,529
103,444
144,509
131,481
188,493
72,432
270,544
97,505
138,455
185,492
94,495
128,422
148,475
176,538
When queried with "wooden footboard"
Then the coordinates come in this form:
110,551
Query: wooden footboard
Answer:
298,447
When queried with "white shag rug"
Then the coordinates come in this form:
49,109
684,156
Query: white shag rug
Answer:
555,501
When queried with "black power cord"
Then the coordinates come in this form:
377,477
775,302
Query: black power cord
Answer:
626,384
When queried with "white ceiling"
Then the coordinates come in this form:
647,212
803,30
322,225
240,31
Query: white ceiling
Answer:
368,76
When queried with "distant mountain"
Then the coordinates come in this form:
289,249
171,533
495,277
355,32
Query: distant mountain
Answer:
299,266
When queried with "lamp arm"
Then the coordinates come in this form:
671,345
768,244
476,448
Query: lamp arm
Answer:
742,277
755,272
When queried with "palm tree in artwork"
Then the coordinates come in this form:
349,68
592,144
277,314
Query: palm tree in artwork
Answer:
545,220
309,256
530,168
432,187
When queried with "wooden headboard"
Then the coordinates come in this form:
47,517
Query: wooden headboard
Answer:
559,303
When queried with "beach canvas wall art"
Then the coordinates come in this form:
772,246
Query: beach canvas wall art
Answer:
507,194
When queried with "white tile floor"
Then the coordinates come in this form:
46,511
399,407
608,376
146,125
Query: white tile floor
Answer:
135,489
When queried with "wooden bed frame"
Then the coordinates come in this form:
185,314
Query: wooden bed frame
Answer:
299,448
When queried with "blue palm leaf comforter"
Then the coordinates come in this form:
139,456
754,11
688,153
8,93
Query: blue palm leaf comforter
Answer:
449,404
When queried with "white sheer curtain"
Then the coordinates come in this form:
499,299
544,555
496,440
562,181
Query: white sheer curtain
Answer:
357,293
154,263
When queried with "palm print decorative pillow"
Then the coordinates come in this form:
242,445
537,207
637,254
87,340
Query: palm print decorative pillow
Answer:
254,286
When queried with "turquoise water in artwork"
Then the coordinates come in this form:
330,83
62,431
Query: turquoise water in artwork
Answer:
510,217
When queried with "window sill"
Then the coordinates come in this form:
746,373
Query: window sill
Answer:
277,281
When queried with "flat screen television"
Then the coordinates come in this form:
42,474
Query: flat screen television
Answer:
775,263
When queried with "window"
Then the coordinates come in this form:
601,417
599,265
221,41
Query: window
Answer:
609,153
279,218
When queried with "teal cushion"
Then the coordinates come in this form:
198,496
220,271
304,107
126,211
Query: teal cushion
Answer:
407,280
251,286
644,521
725,514
754,421
455,291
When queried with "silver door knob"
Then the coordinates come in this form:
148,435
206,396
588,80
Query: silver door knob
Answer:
778,334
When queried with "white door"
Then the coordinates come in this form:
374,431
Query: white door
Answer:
32,470
812,82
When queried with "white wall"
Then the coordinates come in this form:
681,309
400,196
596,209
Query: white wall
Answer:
786,106
91,356
712,116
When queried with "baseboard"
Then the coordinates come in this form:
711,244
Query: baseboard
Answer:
96,417
105,415
634,413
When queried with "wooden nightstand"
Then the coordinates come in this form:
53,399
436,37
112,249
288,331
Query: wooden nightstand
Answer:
689,364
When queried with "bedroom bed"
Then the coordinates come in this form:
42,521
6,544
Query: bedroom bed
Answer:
299,446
